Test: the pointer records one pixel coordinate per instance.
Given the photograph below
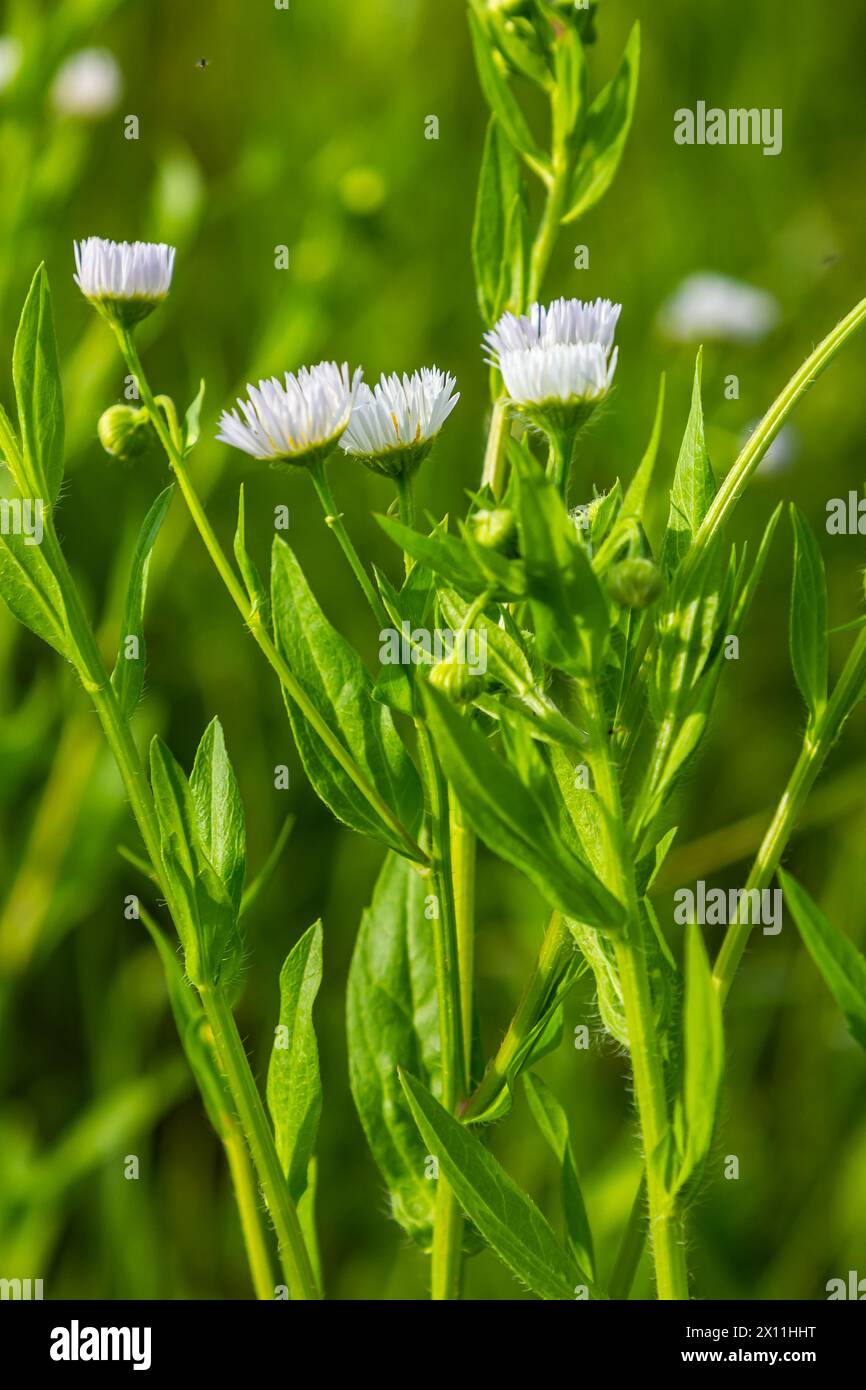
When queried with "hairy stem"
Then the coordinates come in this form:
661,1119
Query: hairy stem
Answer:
334,521
665,1221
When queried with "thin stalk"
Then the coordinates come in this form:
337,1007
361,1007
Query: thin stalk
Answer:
813,755
760,440
253,618
665,1221
463,862
557,948
545,241
447,1253
334,521
493,471
234,1061
247,1199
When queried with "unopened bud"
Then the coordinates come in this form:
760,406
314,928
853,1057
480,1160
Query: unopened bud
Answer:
124,432
456,680
496,529
635,583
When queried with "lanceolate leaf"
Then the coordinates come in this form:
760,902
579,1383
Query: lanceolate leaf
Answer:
704,1057
694,485
128,674
808,625
337,682
608,123
502,101
837,958
31,593
294,1085
553,1124
36,373
256,592
512,820
508,1220
498,188
220,811
392,1021
192,420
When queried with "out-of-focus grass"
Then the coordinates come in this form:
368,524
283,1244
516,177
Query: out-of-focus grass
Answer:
306,128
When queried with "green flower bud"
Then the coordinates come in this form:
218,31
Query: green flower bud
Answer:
635,583
496,530
456,680
124,432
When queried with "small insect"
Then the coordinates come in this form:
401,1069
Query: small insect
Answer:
202,62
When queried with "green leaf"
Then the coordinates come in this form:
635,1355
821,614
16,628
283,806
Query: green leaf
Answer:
294,1084
256,592
31,592
608,122
570,96
499,187
127,677
837,958
513,821
220,812
552,1121
443,554
508,1220
392,1020
704,1058
809,620
568,606
503,103
694,485
38,392
205,918
337,683
192,420
634,502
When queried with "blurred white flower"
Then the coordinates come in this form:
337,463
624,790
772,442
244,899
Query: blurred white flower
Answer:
713,307
394,425
561,355
782,452
87,85
10,59
299,420
125,280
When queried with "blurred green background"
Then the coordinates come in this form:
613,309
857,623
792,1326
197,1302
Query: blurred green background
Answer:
306,128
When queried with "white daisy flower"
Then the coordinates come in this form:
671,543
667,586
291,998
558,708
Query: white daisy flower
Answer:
124,280
299,420
394,425
558,360
88,84
709,306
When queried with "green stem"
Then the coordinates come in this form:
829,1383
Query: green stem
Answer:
233,1058
253,618
813,755
557,949
545,241
447,1253
495,458
334,521
647,1069
247,1199
759,442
